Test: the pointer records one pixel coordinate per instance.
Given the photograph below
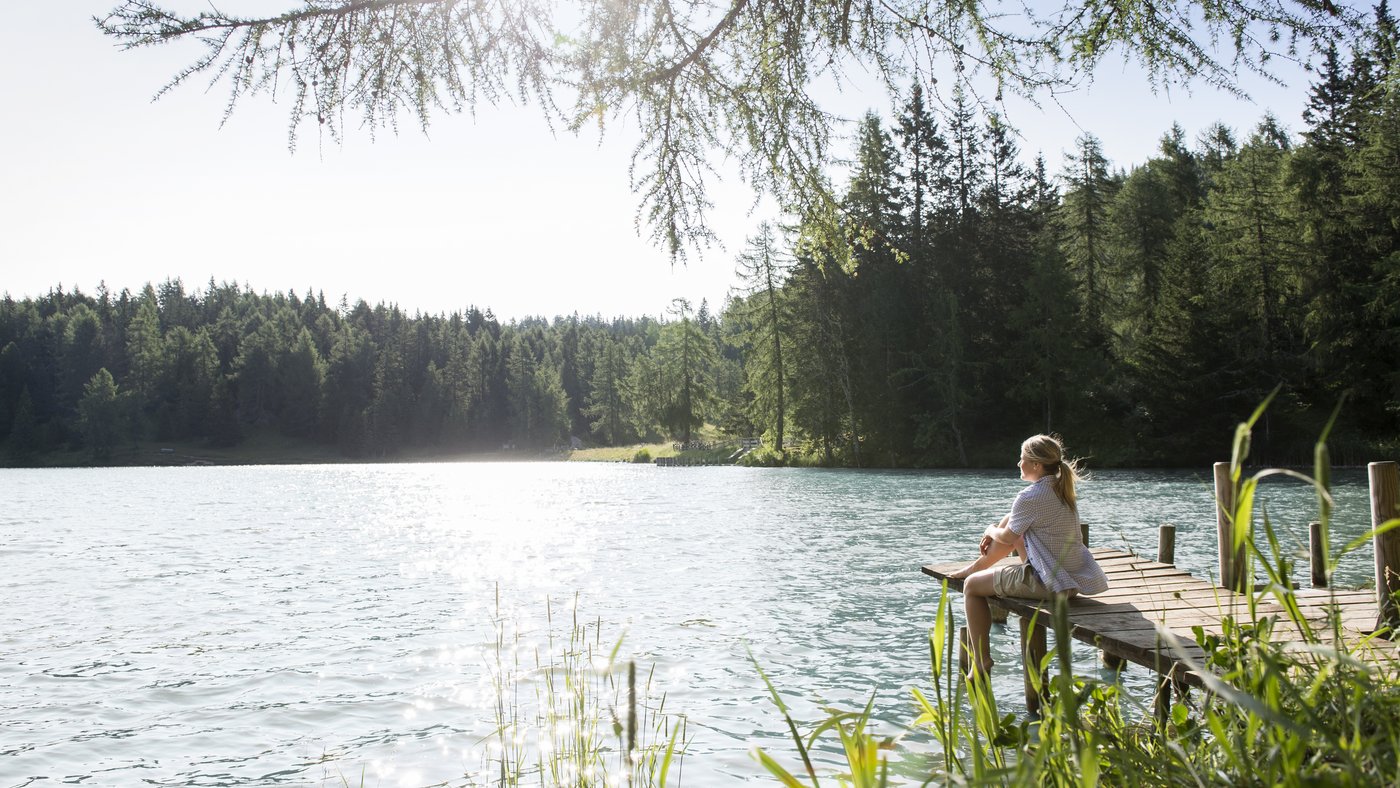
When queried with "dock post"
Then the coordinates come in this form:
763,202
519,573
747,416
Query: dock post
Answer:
1112,661
1084,532
1231,560
1385,506
999,613
1317,555
1032,655
1169,686
1166,544
1162,699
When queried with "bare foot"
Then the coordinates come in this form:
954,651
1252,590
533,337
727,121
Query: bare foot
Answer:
980,675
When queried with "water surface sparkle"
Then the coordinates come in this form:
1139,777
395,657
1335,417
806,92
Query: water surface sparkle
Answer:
300,625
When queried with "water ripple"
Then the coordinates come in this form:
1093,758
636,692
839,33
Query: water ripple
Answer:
308,625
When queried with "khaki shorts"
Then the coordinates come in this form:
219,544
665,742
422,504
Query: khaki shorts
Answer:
1022,581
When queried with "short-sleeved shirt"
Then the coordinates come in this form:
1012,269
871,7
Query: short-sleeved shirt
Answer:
1054,544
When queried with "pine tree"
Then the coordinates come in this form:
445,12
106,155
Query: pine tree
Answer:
925,157
1045,319
301,376
349,390
100,412
762,273
687,358
1090,187
1141,219
1253,230
1374,172
608,400
194,370
879,296
84,352
145,351
25,438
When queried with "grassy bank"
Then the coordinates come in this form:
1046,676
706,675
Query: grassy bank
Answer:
708,447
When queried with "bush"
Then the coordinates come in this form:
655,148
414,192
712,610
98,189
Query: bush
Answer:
642,455
763,457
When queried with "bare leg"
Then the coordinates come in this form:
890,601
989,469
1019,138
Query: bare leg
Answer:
976,589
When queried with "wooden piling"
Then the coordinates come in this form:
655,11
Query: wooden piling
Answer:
1231,561
1032,655
1112,661
1317,555
1385,506
1166,544
1162,698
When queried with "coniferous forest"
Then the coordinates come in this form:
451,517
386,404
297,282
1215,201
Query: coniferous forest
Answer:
957,297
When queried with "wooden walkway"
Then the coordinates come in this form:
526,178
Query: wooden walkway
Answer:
1145,597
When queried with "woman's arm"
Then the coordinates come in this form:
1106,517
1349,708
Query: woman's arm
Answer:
996,553
1001,534
992,549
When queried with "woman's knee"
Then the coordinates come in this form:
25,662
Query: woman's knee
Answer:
981,584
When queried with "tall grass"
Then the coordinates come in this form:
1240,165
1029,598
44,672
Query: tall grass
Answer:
575,715
1285,702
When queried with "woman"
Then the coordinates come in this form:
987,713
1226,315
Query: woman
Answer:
1043,527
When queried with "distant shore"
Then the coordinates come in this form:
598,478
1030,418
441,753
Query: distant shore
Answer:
279,450
273,449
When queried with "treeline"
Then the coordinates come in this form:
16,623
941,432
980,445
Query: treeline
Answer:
219,365
953,300
957,299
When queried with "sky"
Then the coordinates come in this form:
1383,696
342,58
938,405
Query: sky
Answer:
102,184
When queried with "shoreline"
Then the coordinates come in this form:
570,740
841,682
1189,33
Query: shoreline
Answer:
278,451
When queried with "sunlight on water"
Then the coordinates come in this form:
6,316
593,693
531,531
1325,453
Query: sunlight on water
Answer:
313,625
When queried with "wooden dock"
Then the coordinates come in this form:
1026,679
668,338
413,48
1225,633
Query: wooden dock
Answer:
1146,599
1149,613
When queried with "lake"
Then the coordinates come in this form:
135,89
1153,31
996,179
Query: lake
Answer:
318,624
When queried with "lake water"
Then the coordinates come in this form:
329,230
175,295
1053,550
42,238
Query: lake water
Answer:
308,625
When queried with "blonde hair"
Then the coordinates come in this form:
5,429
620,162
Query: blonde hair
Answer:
1050,453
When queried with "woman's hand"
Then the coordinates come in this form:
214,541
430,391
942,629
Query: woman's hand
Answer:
985,545
961,573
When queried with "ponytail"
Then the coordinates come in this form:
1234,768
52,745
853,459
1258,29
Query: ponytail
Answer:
1050,453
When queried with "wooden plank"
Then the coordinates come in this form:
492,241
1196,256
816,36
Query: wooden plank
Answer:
1152,570
1129,560
1114,570
1154,576
1197,591
1282,632
1119,575
1142,640
1185,618
1325,595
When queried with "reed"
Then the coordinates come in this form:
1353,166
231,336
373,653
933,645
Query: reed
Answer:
575,714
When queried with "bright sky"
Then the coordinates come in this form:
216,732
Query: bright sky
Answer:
102,184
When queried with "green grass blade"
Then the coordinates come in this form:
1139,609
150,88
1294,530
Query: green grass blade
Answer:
776,769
